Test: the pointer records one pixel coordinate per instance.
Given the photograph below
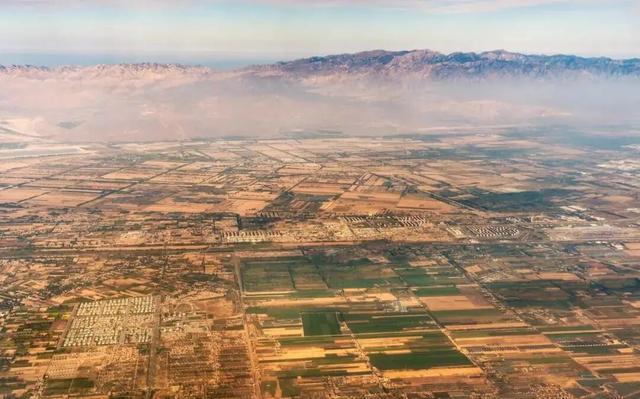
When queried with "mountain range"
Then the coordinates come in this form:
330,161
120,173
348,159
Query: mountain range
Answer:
439,66
422,64
368,93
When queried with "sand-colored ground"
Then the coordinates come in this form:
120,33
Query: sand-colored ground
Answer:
289,331
319,189
424,203
453,302
509,340
483,326
435,372
627,377
180,178
562,276
242,207
337,300
20,194
132,174
60,199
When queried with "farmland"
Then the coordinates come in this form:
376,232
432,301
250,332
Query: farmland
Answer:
462,266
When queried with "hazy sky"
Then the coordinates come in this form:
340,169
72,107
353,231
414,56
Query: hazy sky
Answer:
255,30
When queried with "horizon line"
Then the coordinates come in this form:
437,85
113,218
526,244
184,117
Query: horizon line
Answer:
251,60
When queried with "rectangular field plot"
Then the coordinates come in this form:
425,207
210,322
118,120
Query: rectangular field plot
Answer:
296,363
360,276
19,194
267,276
470,316
281,275
419,360
449,290
429,276
321,323
387,322
63,198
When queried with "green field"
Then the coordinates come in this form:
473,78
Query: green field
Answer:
470,316
320,323
418,360
437,291
385,322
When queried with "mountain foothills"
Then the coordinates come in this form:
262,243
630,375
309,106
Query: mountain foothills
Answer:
369,93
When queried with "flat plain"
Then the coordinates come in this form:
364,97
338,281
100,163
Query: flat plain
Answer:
470,265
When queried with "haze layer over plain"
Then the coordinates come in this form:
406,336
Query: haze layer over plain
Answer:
366,93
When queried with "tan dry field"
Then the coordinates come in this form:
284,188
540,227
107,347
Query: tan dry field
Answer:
266,255
19,194
516,176
276,332
484,326
286,302
61,199
391,344
88,173
275,153
319,189
453,302
419,178
474,269
132,174
180,178
382,197
423,203
507,340
254,196
633,248
11,181
357,202
36,173
7,164
618,199
242,207
280,182
423,263
620,322
203,167
51,183
561,276
372,181
162,164
168,205
289,354
345,179
297,169
101,185
633,377
371,296
221,155
436,372
597,364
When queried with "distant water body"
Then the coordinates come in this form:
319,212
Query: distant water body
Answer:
220,62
